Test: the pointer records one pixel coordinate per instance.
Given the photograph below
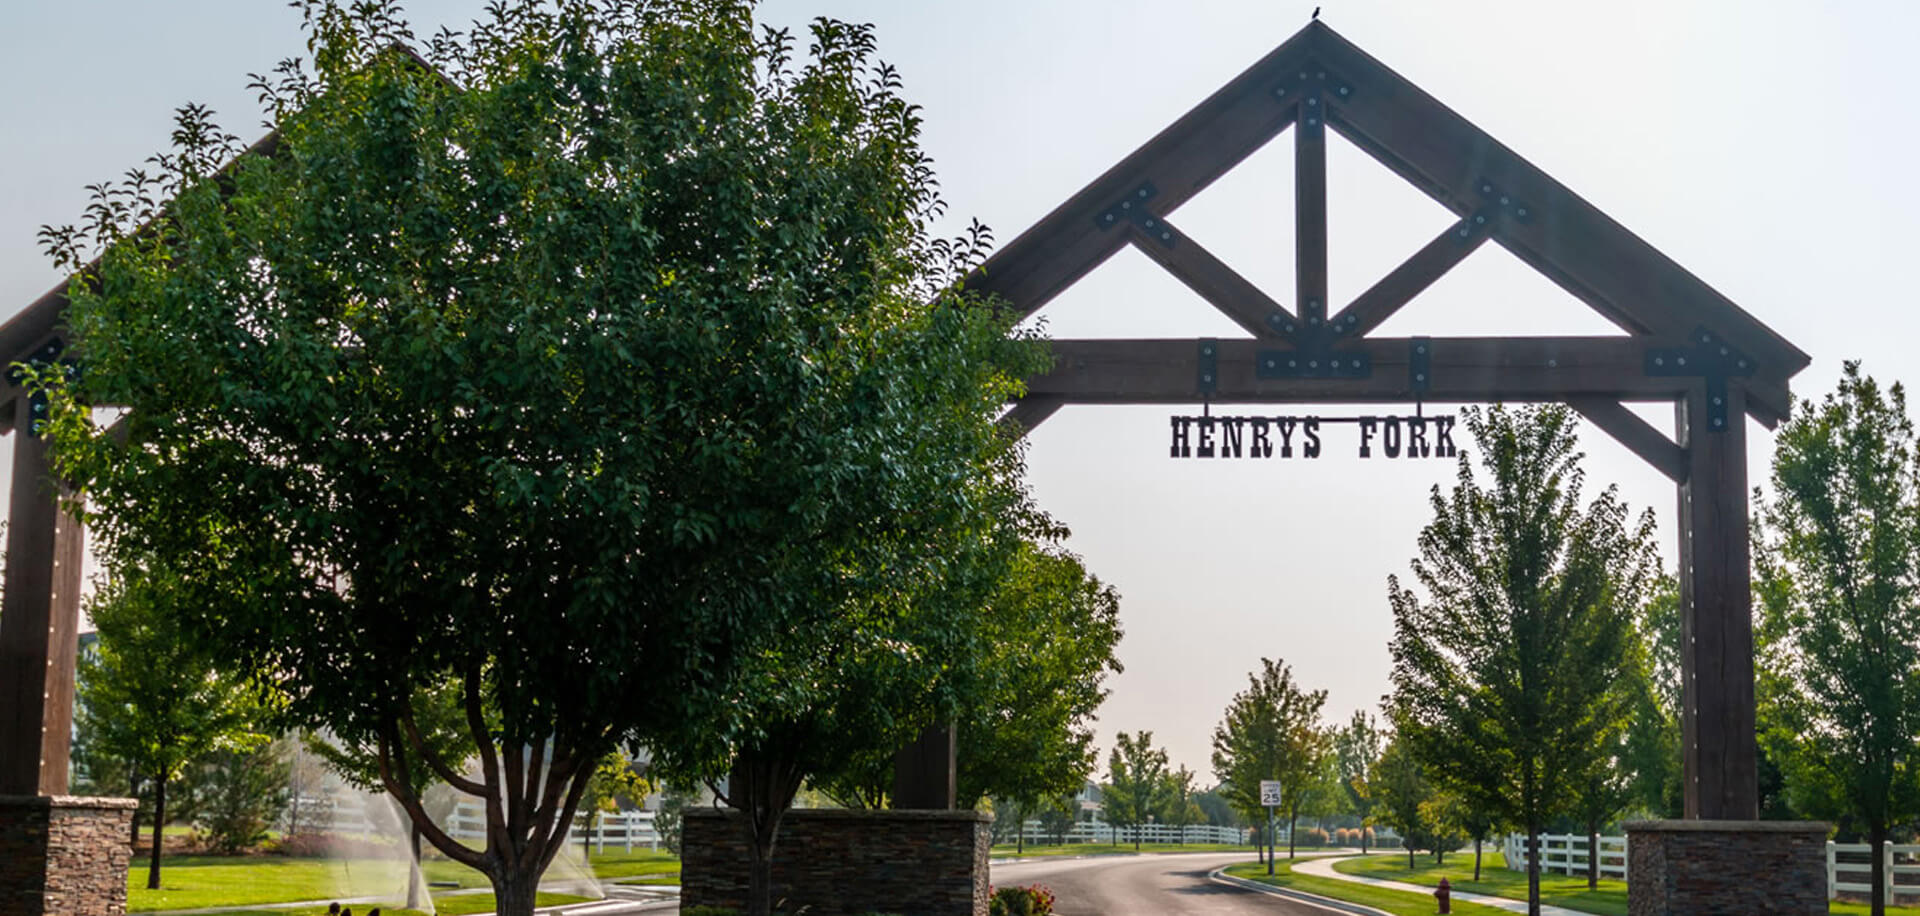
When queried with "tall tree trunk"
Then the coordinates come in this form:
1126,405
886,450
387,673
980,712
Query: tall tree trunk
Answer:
1439,851
1533,869
1020,830
514,894
1877,839
1407,841
1476,860
1593,855
159,824
1293,820
1363,836
414,878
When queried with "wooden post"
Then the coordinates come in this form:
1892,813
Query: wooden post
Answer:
1716,614
39,623
924,771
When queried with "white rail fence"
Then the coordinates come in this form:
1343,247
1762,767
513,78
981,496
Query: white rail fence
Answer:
1849,865
1850,870
626,829
1567,854
1100,832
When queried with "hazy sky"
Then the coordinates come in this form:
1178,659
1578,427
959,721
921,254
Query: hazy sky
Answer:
1765,146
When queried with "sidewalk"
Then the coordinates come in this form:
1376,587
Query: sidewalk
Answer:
1323,868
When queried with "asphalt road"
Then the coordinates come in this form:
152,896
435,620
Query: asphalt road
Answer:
1151,885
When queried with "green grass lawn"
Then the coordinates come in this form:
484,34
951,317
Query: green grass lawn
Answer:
458,905
1006,850
192,882
1610,899
1399,903
1495,880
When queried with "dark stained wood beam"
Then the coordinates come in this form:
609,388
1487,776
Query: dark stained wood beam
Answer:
1310,209
1029,412
39,624
1179,161
1562,236
925,772
1463,369
1718,752
1224,288
1410,279
1636,434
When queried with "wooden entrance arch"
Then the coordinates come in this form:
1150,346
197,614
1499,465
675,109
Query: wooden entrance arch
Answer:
1687,344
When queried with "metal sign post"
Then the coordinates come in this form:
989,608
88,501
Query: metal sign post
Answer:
1270,796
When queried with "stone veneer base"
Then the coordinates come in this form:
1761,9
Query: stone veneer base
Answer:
62,855
1726,868
830,862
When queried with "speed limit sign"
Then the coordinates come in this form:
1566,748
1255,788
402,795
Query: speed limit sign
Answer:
1270,793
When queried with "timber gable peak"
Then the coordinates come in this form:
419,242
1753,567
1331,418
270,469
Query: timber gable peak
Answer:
1684,337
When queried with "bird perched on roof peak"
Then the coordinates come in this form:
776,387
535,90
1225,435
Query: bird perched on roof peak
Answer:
1316,14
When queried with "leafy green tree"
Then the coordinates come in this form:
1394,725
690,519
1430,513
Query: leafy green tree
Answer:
1356,748
1051,630
842,699
1309,773
612,333
244,790
1840,567
1404,795
1136,781
1600,790
1653,727
1180,808
1507,661
1058,816
1271,731
1216,809
152,695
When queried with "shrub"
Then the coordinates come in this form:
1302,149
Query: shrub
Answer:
1313,836
243,793
1021,901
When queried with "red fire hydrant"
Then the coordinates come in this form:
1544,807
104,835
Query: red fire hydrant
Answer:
1444,894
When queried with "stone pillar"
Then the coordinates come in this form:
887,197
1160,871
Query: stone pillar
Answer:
1726,868
832,862
64,856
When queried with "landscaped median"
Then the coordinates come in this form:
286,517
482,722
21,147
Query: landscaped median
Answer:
1399,903
196,882
1608,899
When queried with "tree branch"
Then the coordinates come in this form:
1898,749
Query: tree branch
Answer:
489,759
434,763
578,788
401,788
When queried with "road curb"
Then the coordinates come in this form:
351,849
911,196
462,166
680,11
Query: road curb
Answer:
1325,903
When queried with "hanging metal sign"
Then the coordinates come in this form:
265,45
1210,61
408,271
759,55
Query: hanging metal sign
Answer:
1289,437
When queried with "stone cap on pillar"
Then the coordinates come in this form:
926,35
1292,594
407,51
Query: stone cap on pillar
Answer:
67,801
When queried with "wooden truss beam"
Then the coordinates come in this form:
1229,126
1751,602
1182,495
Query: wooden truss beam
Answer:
1546,225
1636,434
1223,287
1470,369
1410,279
1178,162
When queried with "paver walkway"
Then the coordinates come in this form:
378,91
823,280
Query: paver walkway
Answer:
1323,868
